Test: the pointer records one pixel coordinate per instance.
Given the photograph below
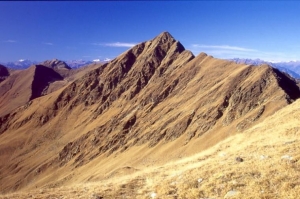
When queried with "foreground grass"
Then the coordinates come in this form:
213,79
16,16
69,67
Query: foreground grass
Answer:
262,162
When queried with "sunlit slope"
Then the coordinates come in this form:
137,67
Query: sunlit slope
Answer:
153,104
261,162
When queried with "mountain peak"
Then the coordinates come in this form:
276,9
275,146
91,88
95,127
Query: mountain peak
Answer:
55,64
164,37
165,34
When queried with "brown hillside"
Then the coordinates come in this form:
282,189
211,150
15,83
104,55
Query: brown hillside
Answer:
44,79
23,86
70,76
154,103
268,168
79,72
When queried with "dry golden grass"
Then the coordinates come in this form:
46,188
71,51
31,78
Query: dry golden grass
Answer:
132,116
270,169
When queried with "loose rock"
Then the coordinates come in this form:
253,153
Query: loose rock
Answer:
200,180
286,157
153,195
239,159
95,196
231,193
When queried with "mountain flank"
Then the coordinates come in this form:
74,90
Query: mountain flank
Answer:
25,85
268,153
21,86
153,104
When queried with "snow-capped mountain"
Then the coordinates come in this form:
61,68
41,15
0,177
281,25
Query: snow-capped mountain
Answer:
25,63
20,64
78,63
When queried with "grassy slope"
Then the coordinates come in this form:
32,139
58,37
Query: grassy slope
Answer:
30,149
270,169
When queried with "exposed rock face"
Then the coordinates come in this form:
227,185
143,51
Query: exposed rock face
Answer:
156,94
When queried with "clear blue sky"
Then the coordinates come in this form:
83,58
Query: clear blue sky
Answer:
38,31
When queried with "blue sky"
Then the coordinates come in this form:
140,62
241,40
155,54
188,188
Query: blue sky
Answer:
268,30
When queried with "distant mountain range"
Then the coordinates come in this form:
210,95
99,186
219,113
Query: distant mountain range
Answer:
25,63
291,67
21,64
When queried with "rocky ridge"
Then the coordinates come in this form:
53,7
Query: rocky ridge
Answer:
156,97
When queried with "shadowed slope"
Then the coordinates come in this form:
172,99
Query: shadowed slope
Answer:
155,100
43,77
4,73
